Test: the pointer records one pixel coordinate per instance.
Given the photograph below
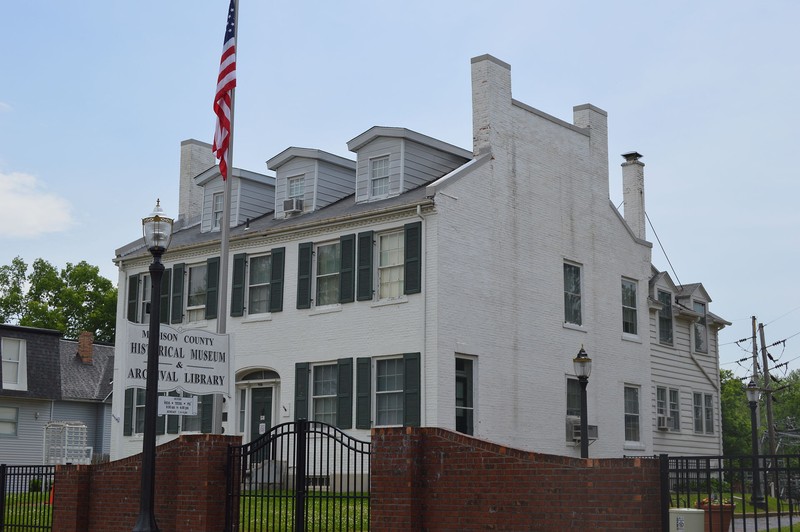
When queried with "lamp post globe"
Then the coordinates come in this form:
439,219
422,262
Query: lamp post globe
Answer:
583,368
157,232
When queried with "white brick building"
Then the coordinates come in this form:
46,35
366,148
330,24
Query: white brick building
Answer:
429,285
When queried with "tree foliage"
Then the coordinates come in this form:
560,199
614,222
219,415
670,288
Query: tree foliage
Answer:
71,300
736,435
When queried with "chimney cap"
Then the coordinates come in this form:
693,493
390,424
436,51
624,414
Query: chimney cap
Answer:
632,156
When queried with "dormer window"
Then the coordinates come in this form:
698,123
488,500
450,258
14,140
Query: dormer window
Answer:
295,187
216,215
379,177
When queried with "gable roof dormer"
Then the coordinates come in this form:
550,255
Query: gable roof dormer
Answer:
252,195
309,179
394,160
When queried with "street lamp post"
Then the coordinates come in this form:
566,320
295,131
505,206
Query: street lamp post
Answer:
753,395
157,231
583,368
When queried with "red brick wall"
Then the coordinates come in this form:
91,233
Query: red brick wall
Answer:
189,497
433,479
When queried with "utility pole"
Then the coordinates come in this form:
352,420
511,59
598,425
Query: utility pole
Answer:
767,391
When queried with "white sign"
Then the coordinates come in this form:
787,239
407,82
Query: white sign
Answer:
194,360
178,406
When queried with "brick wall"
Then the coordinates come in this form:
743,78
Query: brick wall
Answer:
189,497
434,479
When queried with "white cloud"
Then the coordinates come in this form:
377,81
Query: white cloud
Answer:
28,210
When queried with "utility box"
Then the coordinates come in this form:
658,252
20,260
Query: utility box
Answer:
686,520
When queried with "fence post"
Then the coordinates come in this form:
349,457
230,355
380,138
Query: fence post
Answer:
300,477
663,467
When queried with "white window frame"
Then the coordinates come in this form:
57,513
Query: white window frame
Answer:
665,315
251,286
570,295
669,406
20,363
396,393
9,416
631,415
630,307
324,392
391,274
703,413
700,340
379,177
295,187
217,210
196,312
328,275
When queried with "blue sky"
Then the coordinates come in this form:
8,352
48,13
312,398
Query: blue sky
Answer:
96,96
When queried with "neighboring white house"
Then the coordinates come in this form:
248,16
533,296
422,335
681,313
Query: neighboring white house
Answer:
424,284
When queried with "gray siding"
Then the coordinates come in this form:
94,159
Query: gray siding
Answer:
27,447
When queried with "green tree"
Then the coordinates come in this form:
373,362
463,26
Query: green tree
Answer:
71,300
736,435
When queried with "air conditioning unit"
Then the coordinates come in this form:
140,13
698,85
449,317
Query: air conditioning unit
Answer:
574,429
293,205
663,423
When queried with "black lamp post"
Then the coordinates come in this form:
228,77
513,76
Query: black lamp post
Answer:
583,368
157,231
753,395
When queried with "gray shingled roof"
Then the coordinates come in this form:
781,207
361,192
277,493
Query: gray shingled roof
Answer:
86,382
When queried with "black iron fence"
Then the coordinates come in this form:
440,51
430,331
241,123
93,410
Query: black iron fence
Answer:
736,493
303,475
26,497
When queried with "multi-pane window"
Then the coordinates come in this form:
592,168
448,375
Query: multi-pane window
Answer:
328,266
196,299
668,405
703,406
391,263
217,206
9,418
573,397
700,329
295,187
665,318
389,392
632,413
572,294
324,393
629,320
15,376
258,284
464,396
379,177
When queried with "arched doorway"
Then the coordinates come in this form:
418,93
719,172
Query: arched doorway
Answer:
258,396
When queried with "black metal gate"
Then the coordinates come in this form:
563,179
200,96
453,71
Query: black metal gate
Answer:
302,475
26,497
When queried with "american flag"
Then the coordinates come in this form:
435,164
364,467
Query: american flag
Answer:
226,81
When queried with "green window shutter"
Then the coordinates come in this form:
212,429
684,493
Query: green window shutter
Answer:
344,393
411,390
363,393
133,298
413,256
276,280
176,312
212,287
206,404
165,296
301,390
127,424
237,285
364,281
347,269
304,275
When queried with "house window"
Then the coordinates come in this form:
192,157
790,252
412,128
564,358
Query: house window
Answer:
389,392
324,393
668,405
9,417
629,320
258,284
572,294
700,329
379,177
464,396
217,207
665,318
703,413
15,367
196,299
391,265
573,398
295,187
328,264
632,414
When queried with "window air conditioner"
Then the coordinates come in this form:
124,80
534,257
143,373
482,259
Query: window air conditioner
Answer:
293,205
663,423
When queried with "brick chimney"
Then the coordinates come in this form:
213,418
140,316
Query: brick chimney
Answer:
633,193
85,346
